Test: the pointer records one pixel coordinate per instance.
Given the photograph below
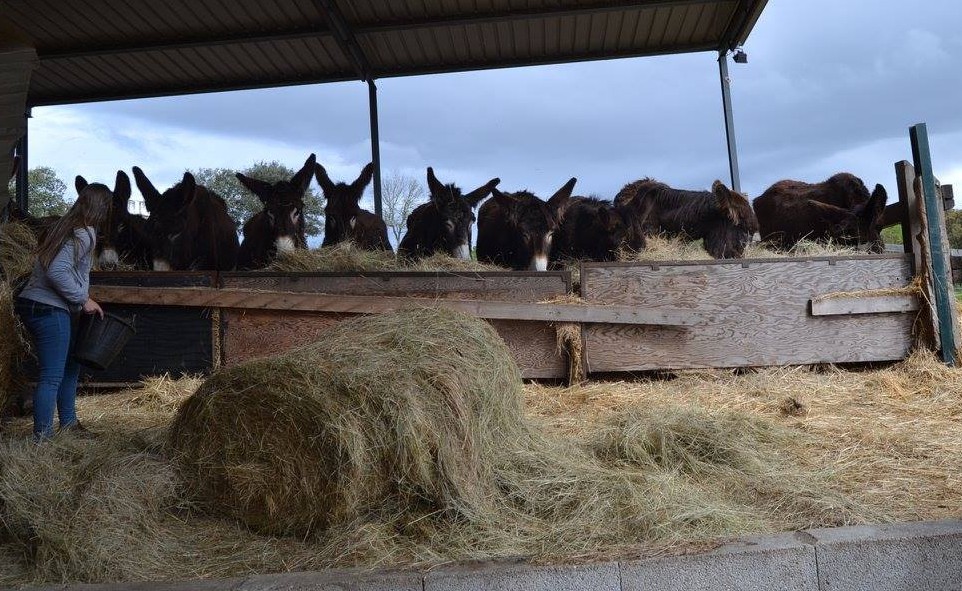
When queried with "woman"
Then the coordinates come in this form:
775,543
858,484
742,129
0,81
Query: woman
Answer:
55,293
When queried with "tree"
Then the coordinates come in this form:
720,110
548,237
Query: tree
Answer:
242,204
400,194
953,227
46,192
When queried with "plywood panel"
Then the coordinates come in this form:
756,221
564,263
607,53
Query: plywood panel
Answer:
756,313
257,333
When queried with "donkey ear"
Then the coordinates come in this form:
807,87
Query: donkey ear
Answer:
302,179
255,186
322,179
151,194
367,173
121,189
80,183
729,202
188,187
559,201
475,196
875,208
435,187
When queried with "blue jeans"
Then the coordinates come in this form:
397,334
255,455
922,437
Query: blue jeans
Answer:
52,329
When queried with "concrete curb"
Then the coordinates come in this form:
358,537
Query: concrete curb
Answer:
925,555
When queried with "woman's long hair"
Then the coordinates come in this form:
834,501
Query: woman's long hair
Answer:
92,206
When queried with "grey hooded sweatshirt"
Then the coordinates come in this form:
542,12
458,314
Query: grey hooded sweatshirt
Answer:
66,283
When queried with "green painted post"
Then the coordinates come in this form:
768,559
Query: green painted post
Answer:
941,272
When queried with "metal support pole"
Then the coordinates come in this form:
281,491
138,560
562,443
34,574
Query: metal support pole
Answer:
22,167
729,121
375,145
941,269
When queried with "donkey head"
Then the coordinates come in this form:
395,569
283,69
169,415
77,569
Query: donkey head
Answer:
731,229
166,223
342,203
533,222
113,223
284,205
456,213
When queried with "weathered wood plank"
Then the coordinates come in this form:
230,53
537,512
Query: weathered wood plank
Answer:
830,305
755,314
350,304
912,224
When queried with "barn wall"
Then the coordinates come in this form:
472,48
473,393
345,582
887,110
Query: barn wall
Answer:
756,313
249,334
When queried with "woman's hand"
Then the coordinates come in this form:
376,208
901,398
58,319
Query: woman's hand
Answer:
92,307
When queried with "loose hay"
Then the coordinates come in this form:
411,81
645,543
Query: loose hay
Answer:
707,454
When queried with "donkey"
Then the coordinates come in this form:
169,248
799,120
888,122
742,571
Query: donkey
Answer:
515,229
595,230
443,224
722,218
279,226
209,238
189,227
344,220
839,209
166,221
122,236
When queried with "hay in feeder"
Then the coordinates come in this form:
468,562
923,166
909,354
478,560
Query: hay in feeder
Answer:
346,257
339,258
18,247
677,248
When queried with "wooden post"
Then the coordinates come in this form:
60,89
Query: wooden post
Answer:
912,224
939,265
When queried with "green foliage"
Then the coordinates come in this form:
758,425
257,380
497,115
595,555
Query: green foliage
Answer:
892,235
46,192
953,225
242,204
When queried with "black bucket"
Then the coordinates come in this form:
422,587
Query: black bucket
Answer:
99,340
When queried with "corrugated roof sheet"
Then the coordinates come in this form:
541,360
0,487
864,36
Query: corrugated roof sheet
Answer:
103,49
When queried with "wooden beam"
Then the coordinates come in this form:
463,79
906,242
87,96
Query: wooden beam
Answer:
843,305
344,304
939,266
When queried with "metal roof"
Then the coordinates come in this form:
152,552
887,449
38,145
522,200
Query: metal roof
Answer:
92,50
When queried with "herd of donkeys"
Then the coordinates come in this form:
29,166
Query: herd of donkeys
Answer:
189,228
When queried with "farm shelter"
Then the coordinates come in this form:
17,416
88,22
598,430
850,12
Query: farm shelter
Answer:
132,48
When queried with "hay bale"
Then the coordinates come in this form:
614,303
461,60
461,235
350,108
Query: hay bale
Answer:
14,348
408,407
18,247
411,427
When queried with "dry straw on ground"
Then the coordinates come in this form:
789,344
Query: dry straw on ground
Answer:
599,469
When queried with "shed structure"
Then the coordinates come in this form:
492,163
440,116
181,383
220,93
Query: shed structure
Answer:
55,52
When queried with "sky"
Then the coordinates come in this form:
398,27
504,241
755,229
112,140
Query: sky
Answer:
830,86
